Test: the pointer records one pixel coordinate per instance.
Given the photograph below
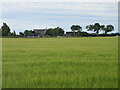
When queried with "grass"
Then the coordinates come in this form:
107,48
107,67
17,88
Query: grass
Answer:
60,62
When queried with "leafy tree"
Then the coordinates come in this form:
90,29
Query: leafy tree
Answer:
60,31
96,27
50,32
29,33
26,32
108,28
102,27
90,27
5,30
21,34
55,31
76,28
14,33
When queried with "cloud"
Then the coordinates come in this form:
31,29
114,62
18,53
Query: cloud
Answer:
21,16
60,1
90,8
60,5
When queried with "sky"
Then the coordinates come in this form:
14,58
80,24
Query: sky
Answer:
22,16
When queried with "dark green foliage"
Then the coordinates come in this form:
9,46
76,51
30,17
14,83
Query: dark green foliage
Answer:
108,28
76,28
55,31
5,30
76,31
102,27
97,27
50,32
90,27
25,32
83,34
21,34
14,33
29,33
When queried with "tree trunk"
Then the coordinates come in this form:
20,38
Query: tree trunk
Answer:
74,33
78,33
105,32
97,32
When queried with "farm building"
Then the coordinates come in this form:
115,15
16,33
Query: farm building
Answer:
31,35
41,32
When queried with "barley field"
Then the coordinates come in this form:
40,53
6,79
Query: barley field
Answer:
85,62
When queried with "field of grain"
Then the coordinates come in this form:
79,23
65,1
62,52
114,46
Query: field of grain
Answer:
89,62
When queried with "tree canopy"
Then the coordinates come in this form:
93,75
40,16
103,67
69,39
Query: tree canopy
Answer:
55,31
5,30
96,27
108,28
76,28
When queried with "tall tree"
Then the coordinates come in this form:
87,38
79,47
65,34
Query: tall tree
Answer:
60,31
90,27
76,28
14,33
21,34
55,31
108,28
102,27
50,32
5,30
26,32
96,28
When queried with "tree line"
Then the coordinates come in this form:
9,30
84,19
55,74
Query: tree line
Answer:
6,31
94,27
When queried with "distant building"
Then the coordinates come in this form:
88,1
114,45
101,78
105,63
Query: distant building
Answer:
31,35
41,32
70,34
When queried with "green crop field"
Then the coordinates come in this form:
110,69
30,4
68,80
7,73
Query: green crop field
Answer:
88,62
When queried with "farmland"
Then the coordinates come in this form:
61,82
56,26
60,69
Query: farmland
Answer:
86,62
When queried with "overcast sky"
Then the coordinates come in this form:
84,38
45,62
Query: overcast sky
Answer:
21,16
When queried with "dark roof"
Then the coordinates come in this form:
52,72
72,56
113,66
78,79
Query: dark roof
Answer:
32,34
